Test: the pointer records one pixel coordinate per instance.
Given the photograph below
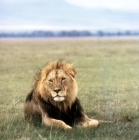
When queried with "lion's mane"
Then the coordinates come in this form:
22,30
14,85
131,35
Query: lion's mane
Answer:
40,88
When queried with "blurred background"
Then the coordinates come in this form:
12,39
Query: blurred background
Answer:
52,18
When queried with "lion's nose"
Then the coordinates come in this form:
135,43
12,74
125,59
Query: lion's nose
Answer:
57,90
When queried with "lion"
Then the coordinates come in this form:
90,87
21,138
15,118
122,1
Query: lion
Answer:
54,98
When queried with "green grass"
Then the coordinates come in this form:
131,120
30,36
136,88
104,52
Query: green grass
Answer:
108,81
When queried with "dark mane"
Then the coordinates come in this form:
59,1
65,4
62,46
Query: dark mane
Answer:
29,96
68,117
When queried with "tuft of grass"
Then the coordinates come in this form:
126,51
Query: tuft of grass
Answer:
108,81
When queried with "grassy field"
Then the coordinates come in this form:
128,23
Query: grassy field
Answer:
108,81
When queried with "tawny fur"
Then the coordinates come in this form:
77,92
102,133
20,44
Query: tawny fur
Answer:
54,98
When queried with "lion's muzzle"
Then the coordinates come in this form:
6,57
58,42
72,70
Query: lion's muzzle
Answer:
58,97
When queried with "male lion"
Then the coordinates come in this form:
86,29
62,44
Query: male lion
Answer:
54,98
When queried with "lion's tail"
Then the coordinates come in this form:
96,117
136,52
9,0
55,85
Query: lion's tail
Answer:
102,121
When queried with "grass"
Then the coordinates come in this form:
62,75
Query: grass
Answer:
108,81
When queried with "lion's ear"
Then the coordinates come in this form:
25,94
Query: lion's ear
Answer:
72,70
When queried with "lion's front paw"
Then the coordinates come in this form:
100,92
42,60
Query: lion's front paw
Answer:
91,123
94,123
67,127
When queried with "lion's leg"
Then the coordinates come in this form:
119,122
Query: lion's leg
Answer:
53,122
28,110
84,121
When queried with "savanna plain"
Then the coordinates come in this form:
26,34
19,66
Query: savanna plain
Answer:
108,82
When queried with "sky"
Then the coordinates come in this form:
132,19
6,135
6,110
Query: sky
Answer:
28,15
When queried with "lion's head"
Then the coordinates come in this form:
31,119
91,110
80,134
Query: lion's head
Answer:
56,84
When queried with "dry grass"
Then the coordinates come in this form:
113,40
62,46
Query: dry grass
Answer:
108,80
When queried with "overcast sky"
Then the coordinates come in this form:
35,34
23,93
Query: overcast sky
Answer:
92,15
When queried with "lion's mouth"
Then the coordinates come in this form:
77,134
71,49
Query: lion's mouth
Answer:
59,98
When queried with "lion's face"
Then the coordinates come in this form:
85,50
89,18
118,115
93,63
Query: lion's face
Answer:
58,83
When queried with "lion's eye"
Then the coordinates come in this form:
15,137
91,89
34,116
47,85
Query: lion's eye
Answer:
50,81
62,79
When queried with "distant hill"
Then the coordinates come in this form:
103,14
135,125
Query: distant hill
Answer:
72,33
